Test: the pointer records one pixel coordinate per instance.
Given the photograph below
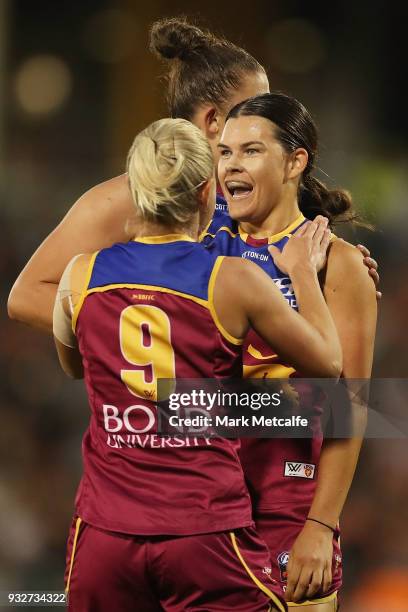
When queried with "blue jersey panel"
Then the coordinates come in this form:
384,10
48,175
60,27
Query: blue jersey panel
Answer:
181,265
223,237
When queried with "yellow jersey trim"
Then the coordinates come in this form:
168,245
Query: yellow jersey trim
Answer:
71,564
205,233
193,298
279,235
258,583
267,370
84,291
211,284
255,353
164,239
224,228
311,602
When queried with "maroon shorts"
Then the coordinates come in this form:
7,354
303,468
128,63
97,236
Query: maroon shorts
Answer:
219,572
279,528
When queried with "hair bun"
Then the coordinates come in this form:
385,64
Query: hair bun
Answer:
176,38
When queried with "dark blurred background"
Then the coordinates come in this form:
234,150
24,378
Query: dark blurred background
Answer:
76,84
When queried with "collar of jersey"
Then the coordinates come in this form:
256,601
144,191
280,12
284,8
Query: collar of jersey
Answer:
275,237
163,239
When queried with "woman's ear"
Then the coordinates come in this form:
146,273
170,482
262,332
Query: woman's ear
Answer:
208,119
207,193
297,162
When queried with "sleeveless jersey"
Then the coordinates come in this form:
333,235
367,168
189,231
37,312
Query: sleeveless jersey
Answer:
146,313
278,471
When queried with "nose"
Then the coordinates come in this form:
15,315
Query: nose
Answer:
233,165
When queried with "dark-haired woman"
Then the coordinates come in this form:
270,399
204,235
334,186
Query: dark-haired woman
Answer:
267,154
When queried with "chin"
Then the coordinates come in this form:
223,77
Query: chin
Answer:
240,211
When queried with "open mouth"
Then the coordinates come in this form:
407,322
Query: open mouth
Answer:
239,189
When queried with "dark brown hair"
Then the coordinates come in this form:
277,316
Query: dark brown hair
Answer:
203,67
295,128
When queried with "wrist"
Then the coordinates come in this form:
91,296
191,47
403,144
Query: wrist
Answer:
320,525
301,269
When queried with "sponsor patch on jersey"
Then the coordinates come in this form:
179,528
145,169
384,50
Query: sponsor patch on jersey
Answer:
221,206
300,470
255,255
283,559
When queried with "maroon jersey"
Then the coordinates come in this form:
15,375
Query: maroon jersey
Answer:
147,313
283,470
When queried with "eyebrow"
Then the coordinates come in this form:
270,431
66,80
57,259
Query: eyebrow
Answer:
243,145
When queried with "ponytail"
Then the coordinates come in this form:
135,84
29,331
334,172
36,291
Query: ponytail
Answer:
335,204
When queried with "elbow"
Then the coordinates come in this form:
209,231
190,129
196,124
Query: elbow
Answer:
331,367
74,375
336,368
14,309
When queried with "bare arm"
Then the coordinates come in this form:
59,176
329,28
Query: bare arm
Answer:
95,221
309,340
351,297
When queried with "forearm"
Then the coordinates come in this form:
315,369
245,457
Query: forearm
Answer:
337,465
33,304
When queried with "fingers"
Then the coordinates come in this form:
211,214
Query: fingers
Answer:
319,235
274,251
370,263
324,245
293,577
302,586
363,250
315,584
320,219
327,579
311,229
375,276
301,231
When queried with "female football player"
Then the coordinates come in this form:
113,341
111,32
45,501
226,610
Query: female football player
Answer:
267,157
165,523
208,75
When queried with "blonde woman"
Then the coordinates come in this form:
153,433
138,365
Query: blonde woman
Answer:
166,524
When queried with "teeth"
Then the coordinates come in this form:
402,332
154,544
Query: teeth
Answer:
238,188
238,185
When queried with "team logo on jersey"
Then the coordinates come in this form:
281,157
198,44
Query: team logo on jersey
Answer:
285,286
267,571
283,559
255,255
301,470
337,562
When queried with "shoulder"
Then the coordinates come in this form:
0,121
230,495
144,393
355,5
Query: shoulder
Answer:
113,190
238,274
345,267
80,272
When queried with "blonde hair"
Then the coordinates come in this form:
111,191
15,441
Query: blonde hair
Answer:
166,165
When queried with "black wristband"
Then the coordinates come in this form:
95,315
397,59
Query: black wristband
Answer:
309,518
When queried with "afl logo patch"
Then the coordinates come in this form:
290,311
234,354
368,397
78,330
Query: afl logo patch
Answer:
300,470
283,559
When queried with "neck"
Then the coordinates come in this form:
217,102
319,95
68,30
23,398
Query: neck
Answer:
149,228
276,221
